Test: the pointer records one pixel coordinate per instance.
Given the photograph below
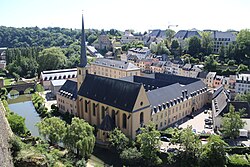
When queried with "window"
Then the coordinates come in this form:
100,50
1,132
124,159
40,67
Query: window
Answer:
103,112
93,109
124,121
113,115
79,72
141,103
141,118
86,106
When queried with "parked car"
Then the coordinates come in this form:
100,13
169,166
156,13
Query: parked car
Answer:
164,138
208,126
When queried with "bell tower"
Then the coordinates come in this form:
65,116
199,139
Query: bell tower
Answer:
82,69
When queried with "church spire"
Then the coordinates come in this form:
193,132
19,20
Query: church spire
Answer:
83,59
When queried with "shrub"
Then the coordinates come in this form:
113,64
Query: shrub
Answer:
238,161
131,156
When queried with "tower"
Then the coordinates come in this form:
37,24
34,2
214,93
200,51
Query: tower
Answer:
82,69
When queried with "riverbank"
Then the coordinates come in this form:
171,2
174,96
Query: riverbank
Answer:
6,133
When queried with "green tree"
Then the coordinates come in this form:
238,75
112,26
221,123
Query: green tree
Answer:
79,137
39,88
51,58
241,68
149,141
206,43
210,63
17,124
231,123
131,156
243,42
191,146
194,46
118,140
91,39
169,36
243,97
214,153
52,129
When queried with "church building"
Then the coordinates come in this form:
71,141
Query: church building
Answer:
131,102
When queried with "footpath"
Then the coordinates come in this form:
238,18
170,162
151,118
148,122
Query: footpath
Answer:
5,134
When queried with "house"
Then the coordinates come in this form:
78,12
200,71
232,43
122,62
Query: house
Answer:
189,70
210,79
113,68
220,106
182,35
221,39
155,36
140,53
158,67
47,76
104,42
242,84
129,37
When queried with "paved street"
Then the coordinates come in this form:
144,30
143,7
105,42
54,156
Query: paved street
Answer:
198,123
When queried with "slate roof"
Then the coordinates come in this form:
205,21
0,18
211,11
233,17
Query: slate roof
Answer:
202,74
107,124
117,93
171,92
183,34
116,64
69,89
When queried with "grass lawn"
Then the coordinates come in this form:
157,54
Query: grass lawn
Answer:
8,81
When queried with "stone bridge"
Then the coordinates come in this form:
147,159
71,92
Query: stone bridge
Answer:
21,87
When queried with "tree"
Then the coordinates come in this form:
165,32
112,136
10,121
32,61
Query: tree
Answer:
210,63
194,46
214,153
51,58
206,43
243,97
231,123
191,146
118,140
39,88
79,137
149,141
241,68
243,42
159,49
169,36
91,39
131,156
17,124
52,129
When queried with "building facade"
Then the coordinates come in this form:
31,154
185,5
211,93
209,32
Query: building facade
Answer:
242,84
113,68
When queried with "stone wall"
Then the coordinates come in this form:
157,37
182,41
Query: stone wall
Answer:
5,133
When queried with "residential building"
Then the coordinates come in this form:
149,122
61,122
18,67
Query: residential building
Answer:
129,37
140,53
222,39
210,79
242,84
182,35
104,42
189,70
220,106
155,36
47,76
158,67
3,57
113,68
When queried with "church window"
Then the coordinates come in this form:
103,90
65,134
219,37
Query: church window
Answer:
124,121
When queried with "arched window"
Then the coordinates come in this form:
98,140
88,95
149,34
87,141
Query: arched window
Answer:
124,121
60,77
69,76
45,79
86,106
64,77
113,115
103,112
73,76
50,78
55,77
93,109
141,118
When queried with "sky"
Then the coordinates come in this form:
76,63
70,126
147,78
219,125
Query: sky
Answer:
139,15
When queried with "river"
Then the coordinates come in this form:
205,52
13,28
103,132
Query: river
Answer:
23,106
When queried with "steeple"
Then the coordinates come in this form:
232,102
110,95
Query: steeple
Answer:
83,59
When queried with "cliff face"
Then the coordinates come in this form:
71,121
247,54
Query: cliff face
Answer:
5,133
